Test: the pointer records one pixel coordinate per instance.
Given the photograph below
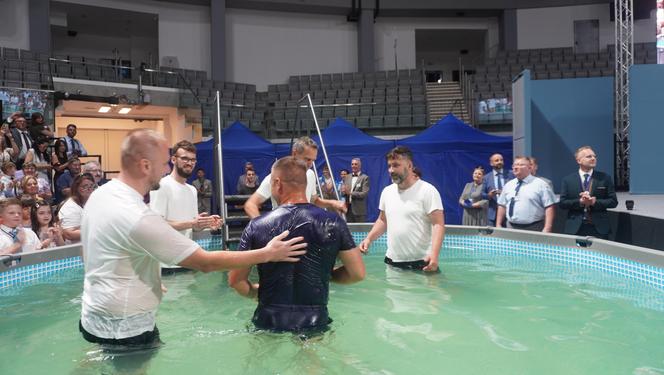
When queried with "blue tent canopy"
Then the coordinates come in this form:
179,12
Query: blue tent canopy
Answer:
448,151
343,142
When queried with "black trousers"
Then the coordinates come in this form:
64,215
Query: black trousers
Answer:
147,338
588,229
535,227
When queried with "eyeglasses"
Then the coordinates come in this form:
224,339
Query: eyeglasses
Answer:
87,187
187,160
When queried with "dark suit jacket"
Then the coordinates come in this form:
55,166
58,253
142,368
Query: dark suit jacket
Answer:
359,193
489,185
601,187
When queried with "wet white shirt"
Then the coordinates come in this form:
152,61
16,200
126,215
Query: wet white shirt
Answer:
123,244
408,223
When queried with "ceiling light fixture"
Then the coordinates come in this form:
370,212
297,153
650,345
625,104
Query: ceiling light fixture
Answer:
104,109
124,111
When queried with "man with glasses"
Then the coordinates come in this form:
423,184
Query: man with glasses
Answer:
94,169
176,200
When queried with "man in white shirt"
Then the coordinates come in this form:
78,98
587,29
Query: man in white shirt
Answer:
412,213
527,202
176,200
305,149
124,242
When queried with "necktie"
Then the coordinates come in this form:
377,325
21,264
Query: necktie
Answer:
499,177
511,208
74,145
26,140
586,181
14,233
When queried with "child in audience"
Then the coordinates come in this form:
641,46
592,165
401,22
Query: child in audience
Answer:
43,225
26,204
13,237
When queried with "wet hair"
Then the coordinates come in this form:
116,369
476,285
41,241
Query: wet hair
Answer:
293,171
185,145
400,151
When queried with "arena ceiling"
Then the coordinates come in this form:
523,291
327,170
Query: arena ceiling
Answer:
391,8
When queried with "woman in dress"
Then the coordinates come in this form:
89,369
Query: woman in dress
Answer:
474,207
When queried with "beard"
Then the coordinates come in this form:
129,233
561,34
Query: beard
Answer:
398,178
182,173
155,186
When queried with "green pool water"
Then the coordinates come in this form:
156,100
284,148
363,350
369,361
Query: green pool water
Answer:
484,314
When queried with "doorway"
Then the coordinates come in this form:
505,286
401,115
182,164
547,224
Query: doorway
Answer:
586,36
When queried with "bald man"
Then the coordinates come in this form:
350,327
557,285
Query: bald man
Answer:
124,242
293,297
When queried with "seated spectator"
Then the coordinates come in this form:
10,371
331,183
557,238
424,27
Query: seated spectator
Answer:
8,180
23,140
39,128
340,184
38,156
74,147
13,237
242,180
44,226
59,160
327,184
94,169
26,203
249,184
474,207
8,147
71,211
63,184
43,186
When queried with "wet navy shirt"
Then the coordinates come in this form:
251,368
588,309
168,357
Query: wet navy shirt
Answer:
305,282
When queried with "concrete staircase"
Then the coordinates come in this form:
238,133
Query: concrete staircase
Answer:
443,98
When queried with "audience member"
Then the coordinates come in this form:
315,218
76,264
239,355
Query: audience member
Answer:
71,211
43,186
13,237
533,171
8,148
8,180
305,149
250,183
74,147
38,156
59,159
63,184
356,189
493,185
340,184
241,181
44,226
176,200
293,296
23,140
27,202
204,190
412,213
526,202
94,169
29,187
474,206
326,183
39,128
586,194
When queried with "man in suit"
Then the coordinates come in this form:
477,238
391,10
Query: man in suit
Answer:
586,194
493,185
23,140
356,189
74,147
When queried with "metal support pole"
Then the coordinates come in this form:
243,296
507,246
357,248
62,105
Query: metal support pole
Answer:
322,144
624,59
220,162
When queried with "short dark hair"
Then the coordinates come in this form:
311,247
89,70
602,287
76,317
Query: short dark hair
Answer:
71,125
185,145
344,170
200,169
400,151
294,170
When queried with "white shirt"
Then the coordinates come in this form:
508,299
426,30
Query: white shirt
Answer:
31,243
353,181
123,243
265,191
534,197
175,201
408,224
582,173
70,214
